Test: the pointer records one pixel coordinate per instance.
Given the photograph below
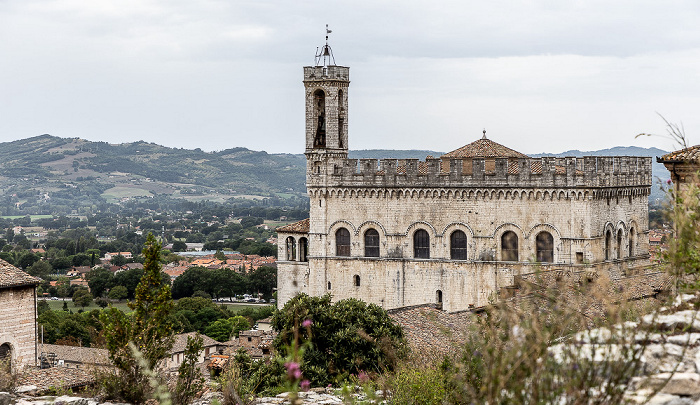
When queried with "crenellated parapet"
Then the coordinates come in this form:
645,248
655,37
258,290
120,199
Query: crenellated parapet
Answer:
590,171
317,73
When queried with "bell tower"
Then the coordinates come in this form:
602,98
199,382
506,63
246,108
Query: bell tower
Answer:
326,86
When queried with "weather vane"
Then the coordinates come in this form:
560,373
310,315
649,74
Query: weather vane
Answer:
325,57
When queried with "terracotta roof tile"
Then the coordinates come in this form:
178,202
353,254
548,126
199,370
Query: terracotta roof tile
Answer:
297,227
483,148
181,341
11,276
691,154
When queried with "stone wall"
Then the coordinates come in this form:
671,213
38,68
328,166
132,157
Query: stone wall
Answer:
18,323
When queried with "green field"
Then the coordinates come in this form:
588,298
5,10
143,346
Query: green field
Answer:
115,193
58,305
33,217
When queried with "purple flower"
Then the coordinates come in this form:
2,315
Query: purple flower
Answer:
305,385
363,377
307,323
293,370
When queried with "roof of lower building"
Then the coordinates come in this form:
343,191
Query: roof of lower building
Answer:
691,154
11,276
297,227
181,341
83,355
483,148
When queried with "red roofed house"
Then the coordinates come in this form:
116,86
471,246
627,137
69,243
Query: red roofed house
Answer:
17,316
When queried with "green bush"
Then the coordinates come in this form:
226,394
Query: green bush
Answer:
347,337
419,387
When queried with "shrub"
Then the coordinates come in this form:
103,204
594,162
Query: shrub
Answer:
345,338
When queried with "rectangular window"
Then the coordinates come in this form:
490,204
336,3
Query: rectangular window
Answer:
579,257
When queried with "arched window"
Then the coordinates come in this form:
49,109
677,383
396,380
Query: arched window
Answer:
421,244
329,285
438,296
371,243
608,244
303,250
631,243
509,247
356,280
342,242
619,243
458,245
545,247
320,115
291,249
5,356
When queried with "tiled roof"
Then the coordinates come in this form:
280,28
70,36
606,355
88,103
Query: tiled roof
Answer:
181,341
691,154
11,276
56,377
297,227
83,355
484,148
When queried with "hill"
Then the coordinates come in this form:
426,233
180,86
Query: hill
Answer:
47,174
48,170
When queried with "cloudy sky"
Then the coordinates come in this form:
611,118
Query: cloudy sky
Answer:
539,75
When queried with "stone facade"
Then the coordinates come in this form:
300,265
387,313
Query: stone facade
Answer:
17,316
452,230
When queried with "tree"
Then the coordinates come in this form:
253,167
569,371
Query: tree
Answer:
224,329
118,260
148,327
82,297
263,280
346,337
40,268
100,280
179,246
189,377
27,259
118,293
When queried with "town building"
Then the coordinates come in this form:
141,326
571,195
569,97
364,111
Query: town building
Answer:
684,166
453,230
17,316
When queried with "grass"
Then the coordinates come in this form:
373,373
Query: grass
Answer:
33,217
115,193
58,306
237,307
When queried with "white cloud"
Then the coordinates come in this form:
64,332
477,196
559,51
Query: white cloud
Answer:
539,75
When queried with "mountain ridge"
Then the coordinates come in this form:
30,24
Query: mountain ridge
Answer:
46,171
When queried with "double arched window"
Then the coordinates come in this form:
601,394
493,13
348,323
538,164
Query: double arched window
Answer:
371,243
458,245
291,249
421,244
509,247
342,242
544,243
